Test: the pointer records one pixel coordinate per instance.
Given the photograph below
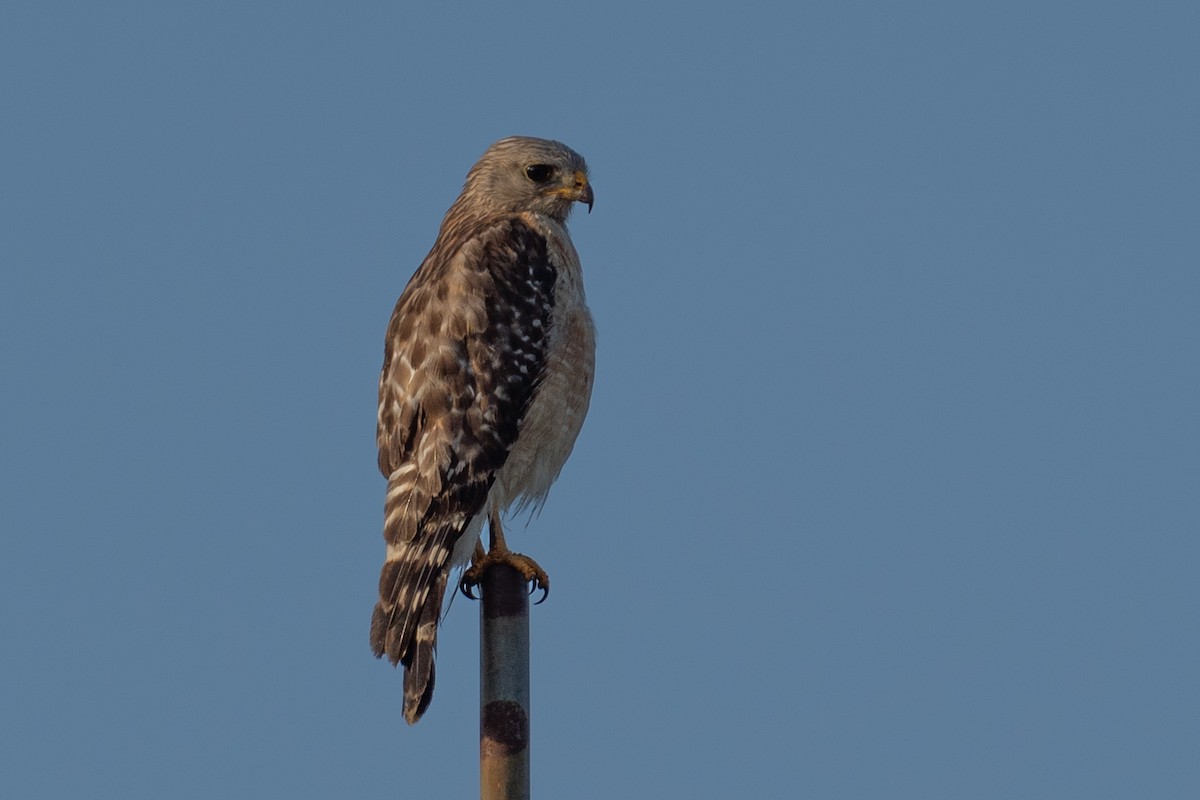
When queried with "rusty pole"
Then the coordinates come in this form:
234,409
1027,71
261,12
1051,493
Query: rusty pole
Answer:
504,685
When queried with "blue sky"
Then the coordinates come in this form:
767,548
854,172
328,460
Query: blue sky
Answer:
890,483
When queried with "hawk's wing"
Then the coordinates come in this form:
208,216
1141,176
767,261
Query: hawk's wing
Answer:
464,356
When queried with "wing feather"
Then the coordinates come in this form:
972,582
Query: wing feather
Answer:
463,360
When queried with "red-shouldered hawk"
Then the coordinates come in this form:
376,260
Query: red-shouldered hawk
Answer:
487,375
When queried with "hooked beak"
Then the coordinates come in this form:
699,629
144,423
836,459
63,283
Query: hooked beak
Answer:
578,190
582,190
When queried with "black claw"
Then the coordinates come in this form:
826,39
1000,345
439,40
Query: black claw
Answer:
545,593
465,588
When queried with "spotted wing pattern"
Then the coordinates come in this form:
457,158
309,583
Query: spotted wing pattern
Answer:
464,358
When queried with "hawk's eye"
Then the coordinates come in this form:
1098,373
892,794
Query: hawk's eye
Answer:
539,173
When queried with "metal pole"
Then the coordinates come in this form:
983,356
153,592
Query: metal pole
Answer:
504,685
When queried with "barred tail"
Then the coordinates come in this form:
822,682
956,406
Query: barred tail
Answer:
404,624
419,669
412,585
424,518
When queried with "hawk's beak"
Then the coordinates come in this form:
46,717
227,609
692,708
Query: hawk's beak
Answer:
578,190
583,190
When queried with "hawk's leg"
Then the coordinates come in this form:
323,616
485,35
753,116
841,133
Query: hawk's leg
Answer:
498,553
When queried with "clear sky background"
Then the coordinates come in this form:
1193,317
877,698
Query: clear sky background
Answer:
891,483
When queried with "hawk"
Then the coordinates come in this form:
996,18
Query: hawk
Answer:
487,376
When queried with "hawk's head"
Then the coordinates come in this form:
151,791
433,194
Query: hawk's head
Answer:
522,173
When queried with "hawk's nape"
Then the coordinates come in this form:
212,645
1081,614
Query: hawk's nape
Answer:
486,380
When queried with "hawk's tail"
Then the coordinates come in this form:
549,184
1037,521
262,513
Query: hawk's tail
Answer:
423,521
419,668
412,585
406,631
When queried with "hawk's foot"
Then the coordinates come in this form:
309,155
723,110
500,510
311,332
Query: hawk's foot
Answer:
529,569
